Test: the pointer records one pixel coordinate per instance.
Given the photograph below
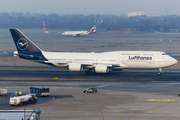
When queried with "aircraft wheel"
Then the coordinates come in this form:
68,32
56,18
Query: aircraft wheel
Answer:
29,101
93,72
90,72
21,104
86,72
160,71
35,100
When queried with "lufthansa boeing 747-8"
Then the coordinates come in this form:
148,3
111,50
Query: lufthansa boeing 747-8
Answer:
91,62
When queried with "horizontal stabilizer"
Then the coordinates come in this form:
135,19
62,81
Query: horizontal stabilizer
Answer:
23,55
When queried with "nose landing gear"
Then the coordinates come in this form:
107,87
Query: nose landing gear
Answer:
160,71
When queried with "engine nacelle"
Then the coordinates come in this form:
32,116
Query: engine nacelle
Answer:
101,69
75,67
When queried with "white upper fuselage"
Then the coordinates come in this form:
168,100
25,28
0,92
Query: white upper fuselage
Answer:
115,60
75,33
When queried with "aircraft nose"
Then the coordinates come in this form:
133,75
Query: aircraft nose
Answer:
171,61
174,61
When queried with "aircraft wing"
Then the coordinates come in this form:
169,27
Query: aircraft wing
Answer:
85,63
176,55
6,54
12,53
77,34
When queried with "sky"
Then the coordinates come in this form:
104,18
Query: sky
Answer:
87,7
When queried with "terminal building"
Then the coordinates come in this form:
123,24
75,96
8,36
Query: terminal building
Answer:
132,14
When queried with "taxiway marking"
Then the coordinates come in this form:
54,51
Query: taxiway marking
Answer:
161,100
149,109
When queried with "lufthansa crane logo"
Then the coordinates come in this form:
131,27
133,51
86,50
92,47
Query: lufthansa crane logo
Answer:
22,44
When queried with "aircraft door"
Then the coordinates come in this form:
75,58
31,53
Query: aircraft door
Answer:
123,61
97,60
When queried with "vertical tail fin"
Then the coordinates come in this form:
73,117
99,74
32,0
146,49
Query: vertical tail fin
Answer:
93,30
22,43
25,47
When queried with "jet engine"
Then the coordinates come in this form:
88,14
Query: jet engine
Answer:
101,69
75,67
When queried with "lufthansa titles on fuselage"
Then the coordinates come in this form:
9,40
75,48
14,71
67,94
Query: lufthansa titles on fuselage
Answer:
139,58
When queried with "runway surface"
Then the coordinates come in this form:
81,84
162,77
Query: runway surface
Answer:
66,75
120,96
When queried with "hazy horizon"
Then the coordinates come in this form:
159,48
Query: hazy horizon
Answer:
117,7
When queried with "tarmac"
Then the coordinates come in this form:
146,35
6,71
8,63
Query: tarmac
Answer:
127,95
120,96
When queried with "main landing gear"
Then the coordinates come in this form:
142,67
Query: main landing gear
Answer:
160,71
90,72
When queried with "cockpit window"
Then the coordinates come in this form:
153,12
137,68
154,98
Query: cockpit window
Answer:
163,53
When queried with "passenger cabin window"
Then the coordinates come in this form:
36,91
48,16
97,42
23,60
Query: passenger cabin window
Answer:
129,54
43,90
47,90
148,54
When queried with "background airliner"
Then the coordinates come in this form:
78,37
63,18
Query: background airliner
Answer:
91,62
78,33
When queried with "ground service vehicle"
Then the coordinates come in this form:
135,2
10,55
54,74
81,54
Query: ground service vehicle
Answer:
20,100
90,90
39,91
3,91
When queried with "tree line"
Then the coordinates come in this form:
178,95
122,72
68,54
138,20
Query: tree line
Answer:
79,21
